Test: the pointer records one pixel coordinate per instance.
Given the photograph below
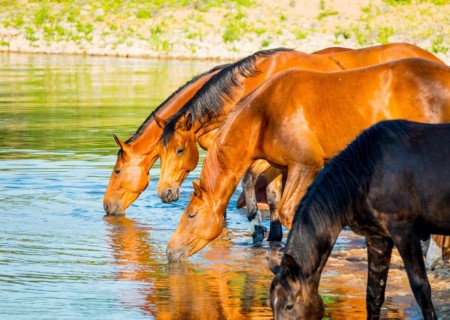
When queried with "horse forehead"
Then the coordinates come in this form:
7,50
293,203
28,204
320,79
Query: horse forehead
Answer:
131,166
278,290
181,136
196,204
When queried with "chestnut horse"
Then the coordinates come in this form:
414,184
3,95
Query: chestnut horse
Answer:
204,113
137,155
297,120
390,185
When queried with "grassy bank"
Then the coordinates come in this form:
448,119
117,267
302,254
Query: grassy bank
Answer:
218,29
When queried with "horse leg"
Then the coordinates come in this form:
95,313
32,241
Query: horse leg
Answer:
254,216
408,245
274,190
260,191
434,254
379,252
298,179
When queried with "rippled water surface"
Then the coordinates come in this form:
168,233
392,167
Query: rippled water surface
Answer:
60,258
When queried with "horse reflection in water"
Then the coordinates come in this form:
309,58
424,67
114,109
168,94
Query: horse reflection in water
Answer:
217,289
392,186
183,291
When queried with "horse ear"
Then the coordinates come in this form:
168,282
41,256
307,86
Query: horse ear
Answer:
274,265
197,188
186,124
291,266
160,121
122,145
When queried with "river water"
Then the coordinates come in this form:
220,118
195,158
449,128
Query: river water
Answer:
61,258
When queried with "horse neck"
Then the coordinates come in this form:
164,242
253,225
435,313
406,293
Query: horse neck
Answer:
147,141
311,245
145,145
204,131
266,67
206,140
221,174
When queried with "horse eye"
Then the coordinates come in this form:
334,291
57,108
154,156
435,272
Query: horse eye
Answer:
116,171
289,307
180,151
191,215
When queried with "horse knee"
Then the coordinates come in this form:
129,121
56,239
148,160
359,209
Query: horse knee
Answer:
286,220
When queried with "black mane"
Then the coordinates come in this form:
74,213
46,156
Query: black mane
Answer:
208,102
338,189
144,125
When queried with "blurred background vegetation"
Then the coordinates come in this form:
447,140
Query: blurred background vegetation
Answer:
216,28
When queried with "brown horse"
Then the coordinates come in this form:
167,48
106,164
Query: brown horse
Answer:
203,114
137,155
392,186
297,120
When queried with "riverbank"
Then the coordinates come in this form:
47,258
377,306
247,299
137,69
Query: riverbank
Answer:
217,30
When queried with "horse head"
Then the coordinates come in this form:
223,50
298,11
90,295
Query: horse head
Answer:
199,225
129,178
178,156
292,296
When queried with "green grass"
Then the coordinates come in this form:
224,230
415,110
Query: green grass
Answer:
438,46
395,2
384,33
235,26
156,22
341,34
325,14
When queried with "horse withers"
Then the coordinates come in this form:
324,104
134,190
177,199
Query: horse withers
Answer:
390,185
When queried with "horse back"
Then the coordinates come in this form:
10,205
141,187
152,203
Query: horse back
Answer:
420,88
412,180
381,54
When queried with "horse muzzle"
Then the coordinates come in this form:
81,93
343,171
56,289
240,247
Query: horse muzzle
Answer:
174,255
112,209
170,195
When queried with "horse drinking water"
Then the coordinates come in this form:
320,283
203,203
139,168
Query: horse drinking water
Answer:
198,120
297,120
137,155
392,186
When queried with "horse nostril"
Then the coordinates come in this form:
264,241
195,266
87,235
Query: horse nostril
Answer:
169,192
106,207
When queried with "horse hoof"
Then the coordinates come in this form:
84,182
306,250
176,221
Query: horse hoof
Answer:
258,235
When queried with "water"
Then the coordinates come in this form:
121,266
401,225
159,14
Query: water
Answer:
60,258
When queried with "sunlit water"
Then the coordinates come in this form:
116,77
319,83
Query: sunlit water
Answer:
60,258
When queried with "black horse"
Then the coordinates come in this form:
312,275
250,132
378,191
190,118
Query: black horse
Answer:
390,185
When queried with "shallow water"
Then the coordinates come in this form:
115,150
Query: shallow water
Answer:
60,258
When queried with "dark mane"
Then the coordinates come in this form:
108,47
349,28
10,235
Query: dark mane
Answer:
208,102
144,125
338,189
